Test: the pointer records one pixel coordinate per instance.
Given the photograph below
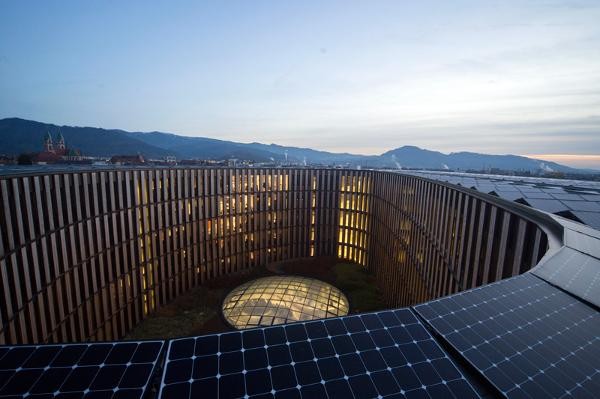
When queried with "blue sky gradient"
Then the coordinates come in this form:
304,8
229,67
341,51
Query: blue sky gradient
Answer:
497,77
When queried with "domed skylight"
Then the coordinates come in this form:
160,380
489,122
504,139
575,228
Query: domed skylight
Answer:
282,299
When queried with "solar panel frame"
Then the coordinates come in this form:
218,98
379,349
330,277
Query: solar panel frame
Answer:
106,369
380,354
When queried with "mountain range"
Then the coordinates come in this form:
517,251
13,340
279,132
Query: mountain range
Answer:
21,136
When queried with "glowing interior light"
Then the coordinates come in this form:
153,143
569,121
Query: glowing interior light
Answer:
282,299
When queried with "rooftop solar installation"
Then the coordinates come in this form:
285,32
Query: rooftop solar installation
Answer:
385,354
98,370
528,338
581,199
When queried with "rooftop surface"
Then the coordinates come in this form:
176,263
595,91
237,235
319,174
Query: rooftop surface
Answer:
533,335
577,200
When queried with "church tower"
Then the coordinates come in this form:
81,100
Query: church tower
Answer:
61,142
48,144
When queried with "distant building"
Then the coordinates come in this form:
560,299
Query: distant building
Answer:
196,162
127,160
169,160
57,152
6,160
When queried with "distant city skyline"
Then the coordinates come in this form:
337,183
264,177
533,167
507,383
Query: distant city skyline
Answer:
362,77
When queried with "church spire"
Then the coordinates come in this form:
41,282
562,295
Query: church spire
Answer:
48,144
60,141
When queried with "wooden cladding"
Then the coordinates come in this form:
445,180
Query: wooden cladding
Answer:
87,255
429,240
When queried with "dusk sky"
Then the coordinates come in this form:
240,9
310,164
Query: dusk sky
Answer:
519,77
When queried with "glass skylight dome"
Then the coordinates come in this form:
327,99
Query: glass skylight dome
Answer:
282,299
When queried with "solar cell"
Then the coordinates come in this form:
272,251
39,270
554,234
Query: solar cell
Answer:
385,354
107,370
528,338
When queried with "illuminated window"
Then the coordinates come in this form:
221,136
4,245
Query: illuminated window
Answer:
282,299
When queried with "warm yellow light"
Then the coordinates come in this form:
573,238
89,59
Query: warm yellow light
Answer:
282,299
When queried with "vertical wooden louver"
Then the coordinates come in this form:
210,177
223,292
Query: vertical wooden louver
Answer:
87,255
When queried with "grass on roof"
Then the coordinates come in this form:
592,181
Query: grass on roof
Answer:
180,317
359,286
195,312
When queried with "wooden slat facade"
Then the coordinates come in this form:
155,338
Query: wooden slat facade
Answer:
429,240
87,255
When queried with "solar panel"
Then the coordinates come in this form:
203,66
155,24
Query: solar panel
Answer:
547,205
537,195
510,195
506,187
574,272
591,219
528,338
485,188
117,370
371,355
591,197
582,206
567,196
529,190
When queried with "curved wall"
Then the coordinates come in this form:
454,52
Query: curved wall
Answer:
88,254
431,239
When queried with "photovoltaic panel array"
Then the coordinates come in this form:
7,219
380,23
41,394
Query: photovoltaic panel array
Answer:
575,199
528,338
385,354
96,370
